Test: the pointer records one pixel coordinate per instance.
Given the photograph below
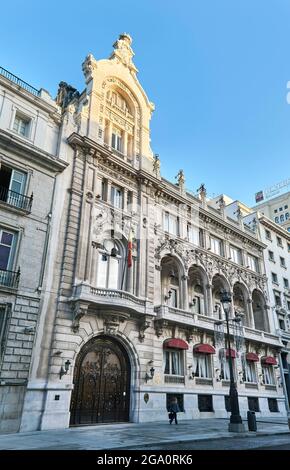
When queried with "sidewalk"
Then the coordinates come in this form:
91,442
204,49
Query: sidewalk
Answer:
120,436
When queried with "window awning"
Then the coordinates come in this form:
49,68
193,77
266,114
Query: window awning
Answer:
204,348
252,357
175,343
270,360
232,352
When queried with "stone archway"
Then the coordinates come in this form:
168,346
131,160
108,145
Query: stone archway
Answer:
101,383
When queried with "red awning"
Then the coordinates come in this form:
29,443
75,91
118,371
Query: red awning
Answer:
175,343
204,348
233,353
252,357
270,360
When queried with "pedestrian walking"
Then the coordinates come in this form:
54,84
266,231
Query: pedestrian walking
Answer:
173,410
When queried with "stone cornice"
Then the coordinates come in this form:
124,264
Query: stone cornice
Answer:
222,223
39,102
29,152
276,228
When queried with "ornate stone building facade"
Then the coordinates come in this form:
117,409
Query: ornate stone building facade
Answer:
131,312
30,124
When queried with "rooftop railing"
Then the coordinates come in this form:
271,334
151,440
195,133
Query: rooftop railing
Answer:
13,78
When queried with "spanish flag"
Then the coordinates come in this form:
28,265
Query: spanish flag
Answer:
130,249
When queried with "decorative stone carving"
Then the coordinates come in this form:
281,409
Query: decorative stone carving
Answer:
156,166
79,310
89,65
180,180
112,322
123,52
144,323
159,326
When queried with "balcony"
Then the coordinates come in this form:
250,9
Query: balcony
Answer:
16,200
9,279
204,322
174,379
111,299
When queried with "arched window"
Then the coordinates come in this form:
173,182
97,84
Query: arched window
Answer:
259,311
170,282
196,290
110,269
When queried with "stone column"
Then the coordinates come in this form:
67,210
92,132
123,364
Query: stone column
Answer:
250,313
109,186
125,143
109,134
209,302
125,199
184,291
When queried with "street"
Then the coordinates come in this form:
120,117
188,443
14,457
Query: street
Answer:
257,443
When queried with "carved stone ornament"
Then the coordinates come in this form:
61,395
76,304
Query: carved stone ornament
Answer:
144,323
159,326
89,65
112,322
123,52
79,310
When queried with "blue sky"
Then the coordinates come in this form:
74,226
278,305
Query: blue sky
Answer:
216,70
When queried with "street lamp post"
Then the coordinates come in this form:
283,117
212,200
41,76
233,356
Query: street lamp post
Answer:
235,424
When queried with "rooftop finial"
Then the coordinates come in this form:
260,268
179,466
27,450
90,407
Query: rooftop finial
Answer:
123,52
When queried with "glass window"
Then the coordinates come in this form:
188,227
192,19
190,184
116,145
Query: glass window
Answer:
288,305
280,209
225,368
279,241
205,403
170,223
268,375
21,125
268,234
273,405
286,207
276,210
173,300
236,254
117,139
193,234
277,299
202,365
108,273
7,240
271,255
282,262
173,362
282,218
274,278
250,374
287,216
216,246
277,220
117,197
252,263
286,283
253,404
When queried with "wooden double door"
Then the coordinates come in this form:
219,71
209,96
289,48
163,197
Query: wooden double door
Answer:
101,391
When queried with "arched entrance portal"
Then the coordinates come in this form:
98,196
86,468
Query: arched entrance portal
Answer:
101,383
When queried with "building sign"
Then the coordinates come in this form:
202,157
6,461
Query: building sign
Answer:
272,191
259,196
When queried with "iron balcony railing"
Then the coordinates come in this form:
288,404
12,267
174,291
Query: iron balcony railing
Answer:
18,81
9,278
15,199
